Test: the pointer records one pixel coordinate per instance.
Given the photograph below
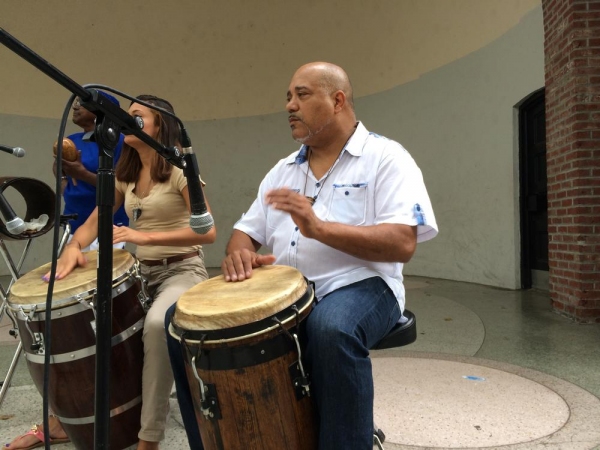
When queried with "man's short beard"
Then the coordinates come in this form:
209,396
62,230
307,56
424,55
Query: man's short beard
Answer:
303,140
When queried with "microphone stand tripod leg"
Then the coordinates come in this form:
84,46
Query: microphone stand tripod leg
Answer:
11,371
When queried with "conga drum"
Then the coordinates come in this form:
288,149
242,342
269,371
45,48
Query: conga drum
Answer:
243,360
73,345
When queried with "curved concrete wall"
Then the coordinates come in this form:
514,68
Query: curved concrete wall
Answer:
442,77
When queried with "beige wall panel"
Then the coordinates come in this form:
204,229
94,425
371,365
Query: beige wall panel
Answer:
218,59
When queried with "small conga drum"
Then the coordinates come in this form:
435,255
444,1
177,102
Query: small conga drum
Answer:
73,345
243,360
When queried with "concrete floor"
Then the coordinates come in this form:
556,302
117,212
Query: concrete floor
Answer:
491,368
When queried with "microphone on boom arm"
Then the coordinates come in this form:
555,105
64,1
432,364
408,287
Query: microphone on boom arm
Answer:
16,151
201,221
14,224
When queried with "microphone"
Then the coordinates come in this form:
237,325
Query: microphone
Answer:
201,220
14,225
17,151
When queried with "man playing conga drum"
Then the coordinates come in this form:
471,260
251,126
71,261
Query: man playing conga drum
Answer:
347,210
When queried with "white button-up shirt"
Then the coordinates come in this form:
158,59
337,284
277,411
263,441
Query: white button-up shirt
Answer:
374,181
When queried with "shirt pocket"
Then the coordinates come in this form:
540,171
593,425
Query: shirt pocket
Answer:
348,204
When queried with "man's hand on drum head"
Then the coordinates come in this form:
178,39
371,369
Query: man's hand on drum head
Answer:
71,257
238,265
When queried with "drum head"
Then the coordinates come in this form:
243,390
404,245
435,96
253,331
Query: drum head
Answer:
217,304
30,289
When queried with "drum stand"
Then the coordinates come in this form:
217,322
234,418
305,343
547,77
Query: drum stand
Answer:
15,275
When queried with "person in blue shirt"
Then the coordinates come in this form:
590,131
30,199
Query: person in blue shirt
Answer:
80,190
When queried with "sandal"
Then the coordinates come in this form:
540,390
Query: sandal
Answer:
39,434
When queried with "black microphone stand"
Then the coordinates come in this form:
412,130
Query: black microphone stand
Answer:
111,120
106,134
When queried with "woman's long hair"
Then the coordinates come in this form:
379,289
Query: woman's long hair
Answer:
129,164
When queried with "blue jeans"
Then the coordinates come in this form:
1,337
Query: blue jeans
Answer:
340,330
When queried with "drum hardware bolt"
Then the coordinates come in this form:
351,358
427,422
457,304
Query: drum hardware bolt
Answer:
298,376
38,343
59,314
144,299
72,356
262,352
89,305
208,394
134,328
35,337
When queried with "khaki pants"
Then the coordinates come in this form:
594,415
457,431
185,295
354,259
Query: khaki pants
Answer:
166,284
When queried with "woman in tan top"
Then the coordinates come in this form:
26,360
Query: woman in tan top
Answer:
157,202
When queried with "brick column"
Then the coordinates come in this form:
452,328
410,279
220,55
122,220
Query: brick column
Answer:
572,52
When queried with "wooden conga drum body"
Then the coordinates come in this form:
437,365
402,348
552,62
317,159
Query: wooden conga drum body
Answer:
241,350
72,361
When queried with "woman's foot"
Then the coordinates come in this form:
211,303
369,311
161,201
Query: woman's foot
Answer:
147,445
34,438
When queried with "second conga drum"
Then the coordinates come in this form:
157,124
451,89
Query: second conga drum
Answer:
73,347
243,360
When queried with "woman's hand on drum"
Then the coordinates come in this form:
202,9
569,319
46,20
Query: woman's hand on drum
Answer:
71,257
126,234
238,265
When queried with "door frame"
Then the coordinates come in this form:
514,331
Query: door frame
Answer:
526,270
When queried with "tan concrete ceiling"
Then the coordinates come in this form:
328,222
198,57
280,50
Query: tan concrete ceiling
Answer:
231,58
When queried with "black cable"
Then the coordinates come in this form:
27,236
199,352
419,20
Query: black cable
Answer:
55,241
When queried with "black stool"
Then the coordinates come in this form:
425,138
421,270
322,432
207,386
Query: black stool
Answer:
403,333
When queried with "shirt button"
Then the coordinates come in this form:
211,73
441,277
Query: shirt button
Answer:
347,193
293,243
318,184
296,229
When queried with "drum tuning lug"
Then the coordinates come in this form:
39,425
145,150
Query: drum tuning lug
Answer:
13,333
210,405
299,381
38,343
144,300
37,338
